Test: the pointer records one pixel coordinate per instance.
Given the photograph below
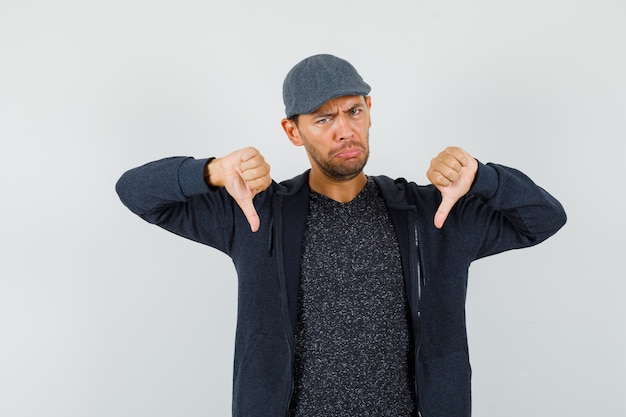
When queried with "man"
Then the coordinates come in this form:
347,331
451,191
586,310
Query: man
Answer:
351,288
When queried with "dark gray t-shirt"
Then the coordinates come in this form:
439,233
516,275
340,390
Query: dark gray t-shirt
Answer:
353,338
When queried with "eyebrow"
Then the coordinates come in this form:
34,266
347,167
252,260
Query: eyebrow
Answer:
327,114
356,105
323,114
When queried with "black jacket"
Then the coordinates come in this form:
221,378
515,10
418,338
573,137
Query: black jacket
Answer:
503,210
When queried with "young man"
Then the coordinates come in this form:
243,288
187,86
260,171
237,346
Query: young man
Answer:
351,287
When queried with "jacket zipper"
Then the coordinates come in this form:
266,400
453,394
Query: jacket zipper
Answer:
416,290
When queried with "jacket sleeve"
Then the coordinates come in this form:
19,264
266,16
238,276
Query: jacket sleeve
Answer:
505,210
172,194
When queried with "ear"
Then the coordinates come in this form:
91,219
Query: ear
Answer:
291,129
368,101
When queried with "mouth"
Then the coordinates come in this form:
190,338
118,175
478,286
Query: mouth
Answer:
350,152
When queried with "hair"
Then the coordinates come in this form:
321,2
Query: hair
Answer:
294,118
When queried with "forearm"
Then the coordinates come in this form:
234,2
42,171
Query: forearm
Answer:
158,183
173,194
505,210
509,190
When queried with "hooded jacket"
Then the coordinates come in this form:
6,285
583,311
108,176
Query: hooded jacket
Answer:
503,210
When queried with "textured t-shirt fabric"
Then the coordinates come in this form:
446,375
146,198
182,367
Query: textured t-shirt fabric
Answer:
352,336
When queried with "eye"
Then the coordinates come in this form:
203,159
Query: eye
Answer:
323,120
354,112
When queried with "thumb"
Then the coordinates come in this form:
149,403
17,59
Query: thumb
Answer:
247,206
447,202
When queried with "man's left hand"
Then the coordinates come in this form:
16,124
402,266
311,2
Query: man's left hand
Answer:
452,172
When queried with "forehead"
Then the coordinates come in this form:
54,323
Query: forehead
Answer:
340,103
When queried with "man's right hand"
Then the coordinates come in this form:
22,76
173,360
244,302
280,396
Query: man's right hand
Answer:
243,173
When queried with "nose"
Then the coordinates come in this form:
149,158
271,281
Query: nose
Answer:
344,130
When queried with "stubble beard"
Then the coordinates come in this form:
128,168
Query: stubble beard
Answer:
343,171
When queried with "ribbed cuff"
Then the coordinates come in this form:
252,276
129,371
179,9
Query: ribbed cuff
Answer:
191,176
486,181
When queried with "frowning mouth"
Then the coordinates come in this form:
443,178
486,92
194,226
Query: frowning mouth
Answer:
349,152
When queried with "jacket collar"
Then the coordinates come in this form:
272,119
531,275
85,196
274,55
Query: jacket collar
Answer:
393,191
291,186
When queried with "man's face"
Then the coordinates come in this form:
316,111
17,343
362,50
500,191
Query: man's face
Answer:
335,136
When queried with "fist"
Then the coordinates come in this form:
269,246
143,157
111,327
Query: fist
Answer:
452,172
244,173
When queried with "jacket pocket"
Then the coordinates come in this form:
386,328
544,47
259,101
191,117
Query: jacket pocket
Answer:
445,385
262,384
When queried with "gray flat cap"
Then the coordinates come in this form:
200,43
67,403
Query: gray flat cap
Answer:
317,79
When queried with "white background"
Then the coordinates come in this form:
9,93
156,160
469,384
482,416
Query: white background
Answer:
103,315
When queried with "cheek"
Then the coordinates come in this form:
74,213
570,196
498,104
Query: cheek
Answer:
316,150
362,125
296,140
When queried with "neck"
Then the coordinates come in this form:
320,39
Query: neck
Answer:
340,191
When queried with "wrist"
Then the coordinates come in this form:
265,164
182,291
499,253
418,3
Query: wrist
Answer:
211,173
